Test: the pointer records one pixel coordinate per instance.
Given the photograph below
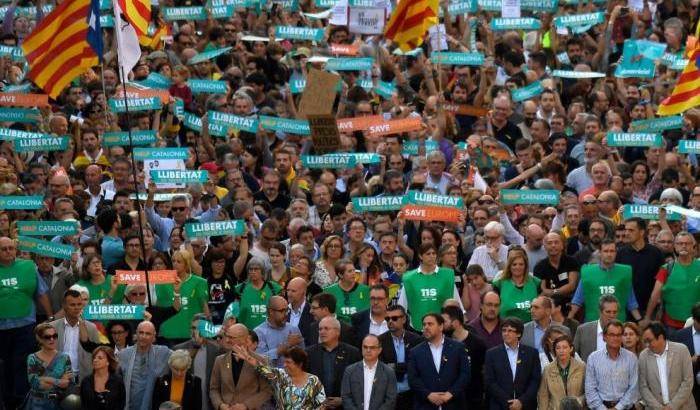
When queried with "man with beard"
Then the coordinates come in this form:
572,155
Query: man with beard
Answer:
597,231
580,178
475,349
270,191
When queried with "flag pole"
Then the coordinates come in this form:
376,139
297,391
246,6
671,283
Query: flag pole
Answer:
122,74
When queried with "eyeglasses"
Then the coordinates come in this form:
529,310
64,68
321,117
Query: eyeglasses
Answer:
393,318
52,336
117,332
589,202
137,293
7,248
178,208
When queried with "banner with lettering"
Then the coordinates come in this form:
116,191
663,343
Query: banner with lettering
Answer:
286,125
14,202
367,20
396,126
207,329
113,312
529,196
47,228
46,248
456,7
176,176
194,122
135,104
23,100
45,143
638,59
328,161
207,86
413,147
577,20
121,138
689,147
9,134
454,58
141,154
529,91
657,124
430,213
234,227
522,23
650,212
22,115
633,139
359,123
429,198
249,124
576,74
299,33
364,158
349,64
138,277
183,13
377,203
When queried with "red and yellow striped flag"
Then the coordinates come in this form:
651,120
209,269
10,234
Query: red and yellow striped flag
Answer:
64,45
138,13
154,41
410,21
686,93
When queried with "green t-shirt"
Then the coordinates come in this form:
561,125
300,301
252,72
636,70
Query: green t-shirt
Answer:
596,282
98,293
193,295
349,303
18,283
681,290
516,301
426,293
253,302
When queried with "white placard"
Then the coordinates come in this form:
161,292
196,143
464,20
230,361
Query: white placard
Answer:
433,33
367,20
162,164
339,15
510,9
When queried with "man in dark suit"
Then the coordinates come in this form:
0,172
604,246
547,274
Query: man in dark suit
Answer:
382,393
512,371
198,346
396,343
299,310
323,306
329,358
690,337
438,369
372,321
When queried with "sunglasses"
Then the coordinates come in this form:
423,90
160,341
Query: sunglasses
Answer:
52,336
138,293
178,208
589,202
393,318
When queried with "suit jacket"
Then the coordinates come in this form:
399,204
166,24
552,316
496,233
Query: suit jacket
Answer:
212,351
345,356
453,376
191,394
685,336
586,339
252,389
679,374
360,323
499,381
528,338
383,396
347,334
61,280
552,389
84,357
158,356
304,325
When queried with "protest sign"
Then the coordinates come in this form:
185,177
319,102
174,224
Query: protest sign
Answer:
430,213
234,227
138,277
689,147
23,100
121,139
633,139
377,203
175,176
135,104
13,202
529,196
650,212
328,161
207,329
319,94
46,143
249,124
141,154
396,126
47,228
324,133
46,248
429,198
113,312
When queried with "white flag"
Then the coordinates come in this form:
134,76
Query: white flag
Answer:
128,48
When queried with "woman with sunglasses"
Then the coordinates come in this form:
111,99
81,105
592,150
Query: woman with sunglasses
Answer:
48,370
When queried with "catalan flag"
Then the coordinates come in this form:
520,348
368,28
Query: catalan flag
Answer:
138,13
64,45
410,21
686,93
153,41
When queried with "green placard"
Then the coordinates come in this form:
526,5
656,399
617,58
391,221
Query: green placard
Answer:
638,59
113,312
234,227
222,12
529,91
286,125
121,138
135,104
657,124
46,248
207,329
299,33
23,115
155,80
106,21
183,13
577,20
297,84
430,199
361,157
207,86
325,4
385,89
689,147
16,53
9,134
377,203
328,161
194,122
576,74
650,212
412,147
529,196
11,202
47,228
21,89
462,6
634,139
523,23
46,143
349,64
176,176
249,124
141,154
453,58
208,55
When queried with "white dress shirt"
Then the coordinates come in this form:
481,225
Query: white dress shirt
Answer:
295,315
369,372
600,343
696,341
71,342
377,328
663,377
512,354
436,351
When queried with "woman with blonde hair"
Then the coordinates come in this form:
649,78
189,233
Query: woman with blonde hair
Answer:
331,252
517,287
189,295
49,371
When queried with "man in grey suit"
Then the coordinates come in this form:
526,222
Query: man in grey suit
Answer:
665,372
369,381
541,313
71,329
589,336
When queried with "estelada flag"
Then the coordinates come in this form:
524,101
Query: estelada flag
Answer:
686,93
410,21
138,13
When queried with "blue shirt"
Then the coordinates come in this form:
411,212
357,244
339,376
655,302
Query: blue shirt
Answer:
112,250
271,337
400,349
512,358
609,379
539,332
163,226
41,289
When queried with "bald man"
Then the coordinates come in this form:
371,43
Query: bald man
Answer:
141,364
299,309
276,335
93,180
534,235
234,384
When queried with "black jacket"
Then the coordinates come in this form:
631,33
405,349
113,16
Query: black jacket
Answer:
191,395
345,356
114,397
388,354
347,334
498,377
